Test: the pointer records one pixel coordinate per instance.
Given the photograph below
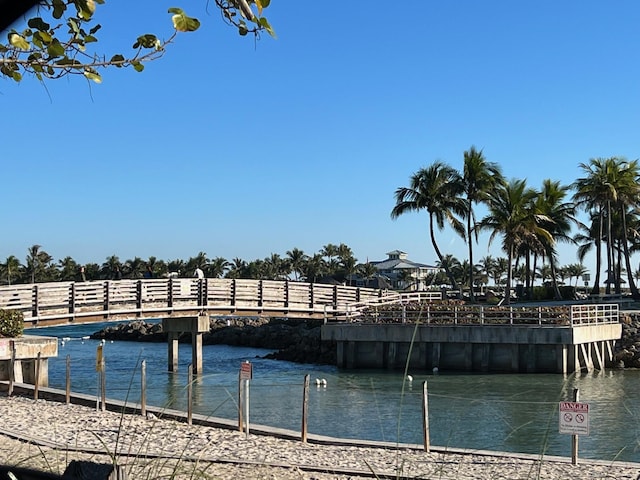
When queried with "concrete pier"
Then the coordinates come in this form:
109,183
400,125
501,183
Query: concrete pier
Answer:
482,348
25,352
175,327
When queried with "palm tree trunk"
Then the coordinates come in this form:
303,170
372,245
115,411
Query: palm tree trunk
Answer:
454,284
471,296
627,259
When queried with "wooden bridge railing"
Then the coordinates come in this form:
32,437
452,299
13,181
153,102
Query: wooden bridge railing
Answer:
60,302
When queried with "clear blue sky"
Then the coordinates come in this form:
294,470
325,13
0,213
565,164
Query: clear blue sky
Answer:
243,149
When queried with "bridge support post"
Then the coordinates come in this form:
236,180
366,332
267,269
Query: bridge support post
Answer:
172,347
194,325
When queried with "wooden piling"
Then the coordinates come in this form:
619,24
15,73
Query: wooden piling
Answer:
143,388
425,418
305,409
190,394
36,383
67,382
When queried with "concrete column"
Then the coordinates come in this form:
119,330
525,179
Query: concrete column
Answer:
340,352
531,358
486,352
172,347
435,355
561,359
351,354
196,352
379,355
392,352
515,357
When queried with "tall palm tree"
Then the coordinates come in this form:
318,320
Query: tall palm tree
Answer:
218,267
134,268
11,268
296,258
236,268
608,189
558,218
509,216
68,269
437,190
478,178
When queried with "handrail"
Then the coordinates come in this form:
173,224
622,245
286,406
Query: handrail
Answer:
444,314
54,302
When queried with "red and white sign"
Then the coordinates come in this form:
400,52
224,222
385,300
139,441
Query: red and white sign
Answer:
246,371
574,418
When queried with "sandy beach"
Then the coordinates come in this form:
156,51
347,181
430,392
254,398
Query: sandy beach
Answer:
47,435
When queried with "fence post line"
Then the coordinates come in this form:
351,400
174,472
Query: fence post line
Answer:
143,388
425,418
305,408
103,382
189,394
574,438
67,382
36,383
12,363
240,420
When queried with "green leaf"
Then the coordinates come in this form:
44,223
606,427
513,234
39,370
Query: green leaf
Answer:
16,76
137,66
59,7
182,22
265,24
18,41
38,24
93,75
90,39
69,62
146,41
43,36
55,49
117,60
95,29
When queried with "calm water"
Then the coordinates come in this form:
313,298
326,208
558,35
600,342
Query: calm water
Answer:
516,413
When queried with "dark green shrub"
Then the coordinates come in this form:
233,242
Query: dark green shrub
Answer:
11,323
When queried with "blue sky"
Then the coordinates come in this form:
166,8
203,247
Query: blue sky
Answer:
243,149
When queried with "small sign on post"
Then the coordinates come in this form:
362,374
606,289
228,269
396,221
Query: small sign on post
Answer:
574,418
246,374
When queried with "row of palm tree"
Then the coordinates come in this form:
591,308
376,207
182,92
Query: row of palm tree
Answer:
332,261
531,222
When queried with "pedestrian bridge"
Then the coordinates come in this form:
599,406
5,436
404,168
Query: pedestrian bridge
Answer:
57,303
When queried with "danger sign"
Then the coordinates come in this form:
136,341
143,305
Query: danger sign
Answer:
246,371
574,418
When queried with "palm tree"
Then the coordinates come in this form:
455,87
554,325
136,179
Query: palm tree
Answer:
478,177
237,268
217,267
367,271
437,190
296,258
557,217
11,268
314,267
38,262
68,269
111,268
609,187
510,216
134,268
487,264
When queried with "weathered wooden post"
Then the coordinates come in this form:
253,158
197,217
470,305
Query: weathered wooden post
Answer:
68,381
305,407
143,388
189,394
240,420
36,386
425,418
574,438
12,366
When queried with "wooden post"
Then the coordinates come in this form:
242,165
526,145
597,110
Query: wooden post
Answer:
103,380
68,381
12,366
240,420
425,418
36,382
305,409
189,394
143,388
574,438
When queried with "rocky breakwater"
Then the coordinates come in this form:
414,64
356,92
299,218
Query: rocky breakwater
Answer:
627,350
293,340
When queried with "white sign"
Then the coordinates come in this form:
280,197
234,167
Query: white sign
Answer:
246,371
574,418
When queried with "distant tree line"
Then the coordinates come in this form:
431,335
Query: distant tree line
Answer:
332,262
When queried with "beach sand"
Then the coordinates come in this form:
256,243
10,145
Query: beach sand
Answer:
47,435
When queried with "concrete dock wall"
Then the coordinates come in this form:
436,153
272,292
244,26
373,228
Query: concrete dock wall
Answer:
481,348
